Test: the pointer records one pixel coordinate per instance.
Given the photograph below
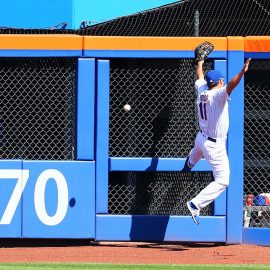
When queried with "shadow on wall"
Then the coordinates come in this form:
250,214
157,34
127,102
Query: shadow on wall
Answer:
153,229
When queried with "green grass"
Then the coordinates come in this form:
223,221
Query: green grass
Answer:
79,266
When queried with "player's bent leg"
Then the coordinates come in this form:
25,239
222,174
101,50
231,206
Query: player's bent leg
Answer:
217,157
209,194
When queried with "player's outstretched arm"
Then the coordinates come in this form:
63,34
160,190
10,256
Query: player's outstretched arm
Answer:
237,78
199,70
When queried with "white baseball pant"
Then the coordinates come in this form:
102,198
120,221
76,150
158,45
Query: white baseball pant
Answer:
216,155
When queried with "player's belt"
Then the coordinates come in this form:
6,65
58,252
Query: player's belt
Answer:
208,138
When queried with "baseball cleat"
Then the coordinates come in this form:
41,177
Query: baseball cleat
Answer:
194,213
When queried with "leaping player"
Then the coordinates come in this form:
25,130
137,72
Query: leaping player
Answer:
210,143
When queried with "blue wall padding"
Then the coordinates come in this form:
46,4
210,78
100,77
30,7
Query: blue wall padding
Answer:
86,109
256,236
102,136
8,170
235,152
79,218
153,164
147,53
160,228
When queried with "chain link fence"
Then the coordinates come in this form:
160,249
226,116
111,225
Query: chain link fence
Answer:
257,144
37,119
155,193
191,18
161,123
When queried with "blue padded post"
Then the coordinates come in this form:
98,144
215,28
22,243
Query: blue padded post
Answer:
86,109
102,136
236,145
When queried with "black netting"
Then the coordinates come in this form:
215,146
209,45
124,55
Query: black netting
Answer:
162,121
257,140
37,119
155,193
192,18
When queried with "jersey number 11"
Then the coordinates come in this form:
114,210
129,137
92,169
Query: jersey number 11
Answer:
202,106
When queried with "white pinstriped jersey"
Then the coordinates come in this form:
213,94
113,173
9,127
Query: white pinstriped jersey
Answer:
212,108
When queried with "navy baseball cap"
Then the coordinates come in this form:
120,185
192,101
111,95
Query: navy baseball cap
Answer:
213,76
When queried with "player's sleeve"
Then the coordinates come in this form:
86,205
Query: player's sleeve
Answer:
200,85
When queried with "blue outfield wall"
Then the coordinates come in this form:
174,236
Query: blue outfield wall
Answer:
236,151
102,136
181,228
48,199
56,195
159,228
229,206
10,210
146,54
86,109
256,236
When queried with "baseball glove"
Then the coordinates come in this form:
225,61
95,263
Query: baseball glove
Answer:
203,50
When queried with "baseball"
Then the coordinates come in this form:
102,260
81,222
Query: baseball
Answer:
127,108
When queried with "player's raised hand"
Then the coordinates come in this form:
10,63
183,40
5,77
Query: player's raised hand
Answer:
237,78
245,68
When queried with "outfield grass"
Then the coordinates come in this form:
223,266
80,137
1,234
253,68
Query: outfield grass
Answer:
66,266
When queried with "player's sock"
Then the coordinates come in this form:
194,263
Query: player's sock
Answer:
194,212
186,167
193,205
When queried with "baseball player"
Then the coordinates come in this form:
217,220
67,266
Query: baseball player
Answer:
210,143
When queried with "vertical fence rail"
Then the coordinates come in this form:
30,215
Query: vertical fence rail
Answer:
102,136
235,144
